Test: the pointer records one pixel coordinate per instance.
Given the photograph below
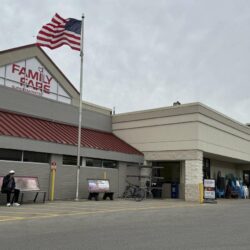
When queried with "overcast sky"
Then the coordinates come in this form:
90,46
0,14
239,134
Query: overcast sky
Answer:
142,54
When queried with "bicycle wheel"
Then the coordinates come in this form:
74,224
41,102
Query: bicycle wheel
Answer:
140,194
127,193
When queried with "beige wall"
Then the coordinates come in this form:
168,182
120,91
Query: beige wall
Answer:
165,137
221,139
184,128
157,137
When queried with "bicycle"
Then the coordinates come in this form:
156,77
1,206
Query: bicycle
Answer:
134,191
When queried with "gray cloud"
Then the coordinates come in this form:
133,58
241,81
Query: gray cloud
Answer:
145,54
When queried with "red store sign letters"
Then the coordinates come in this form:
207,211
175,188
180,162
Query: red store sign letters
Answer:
35,80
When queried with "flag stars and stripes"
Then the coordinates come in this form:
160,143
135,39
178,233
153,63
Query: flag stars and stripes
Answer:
60,32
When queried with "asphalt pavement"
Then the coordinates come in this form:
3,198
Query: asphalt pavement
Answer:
120,225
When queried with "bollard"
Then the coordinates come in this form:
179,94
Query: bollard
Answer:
52,180
201,192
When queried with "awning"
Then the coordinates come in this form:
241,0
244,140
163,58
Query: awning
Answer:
22,126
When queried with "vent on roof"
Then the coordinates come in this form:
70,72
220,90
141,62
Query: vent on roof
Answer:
176,103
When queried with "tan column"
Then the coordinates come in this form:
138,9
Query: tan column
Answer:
193,176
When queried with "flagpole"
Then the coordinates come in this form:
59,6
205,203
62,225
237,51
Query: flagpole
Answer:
80,116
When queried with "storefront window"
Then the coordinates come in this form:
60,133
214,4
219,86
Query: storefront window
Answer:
36,157
90,162
10,155
71,160
109,164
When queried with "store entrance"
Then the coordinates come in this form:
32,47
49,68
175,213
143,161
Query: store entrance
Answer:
166,179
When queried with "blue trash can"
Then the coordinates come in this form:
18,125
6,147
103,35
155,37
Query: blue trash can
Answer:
174,190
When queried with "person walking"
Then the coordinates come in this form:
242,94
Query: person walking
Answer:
8,187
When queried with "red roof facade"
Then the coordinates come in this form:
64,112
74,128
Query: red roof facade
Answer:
42,130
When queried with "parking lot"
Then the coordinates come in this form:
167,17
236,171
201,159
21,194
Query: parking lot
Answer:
125,224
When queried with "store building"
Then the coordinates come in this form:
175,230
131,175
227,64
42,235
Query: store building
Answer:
180,145
39,124
186,143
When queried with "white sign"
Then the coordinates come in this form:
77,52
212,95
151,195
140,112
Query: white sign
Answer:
209,189
209,194
98,186
209,183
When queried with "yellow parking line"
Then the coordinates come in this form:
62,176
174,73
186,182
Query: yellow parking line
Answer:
45,216
47,206
76,207
44,209
94,206
127,209
7,218
22,213
63,209
15,218
107,210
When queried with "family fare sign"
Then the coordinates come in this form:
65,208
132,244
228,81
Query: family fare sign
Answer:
36,81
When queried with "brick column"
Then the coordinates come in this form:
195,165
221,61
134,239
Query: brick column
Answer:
193,176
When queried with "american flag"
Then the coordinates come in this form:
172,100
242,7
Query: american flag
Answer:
60,32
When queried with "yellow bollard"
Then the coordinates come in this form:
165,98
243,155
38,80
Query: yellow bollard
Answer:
52,180
201,192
